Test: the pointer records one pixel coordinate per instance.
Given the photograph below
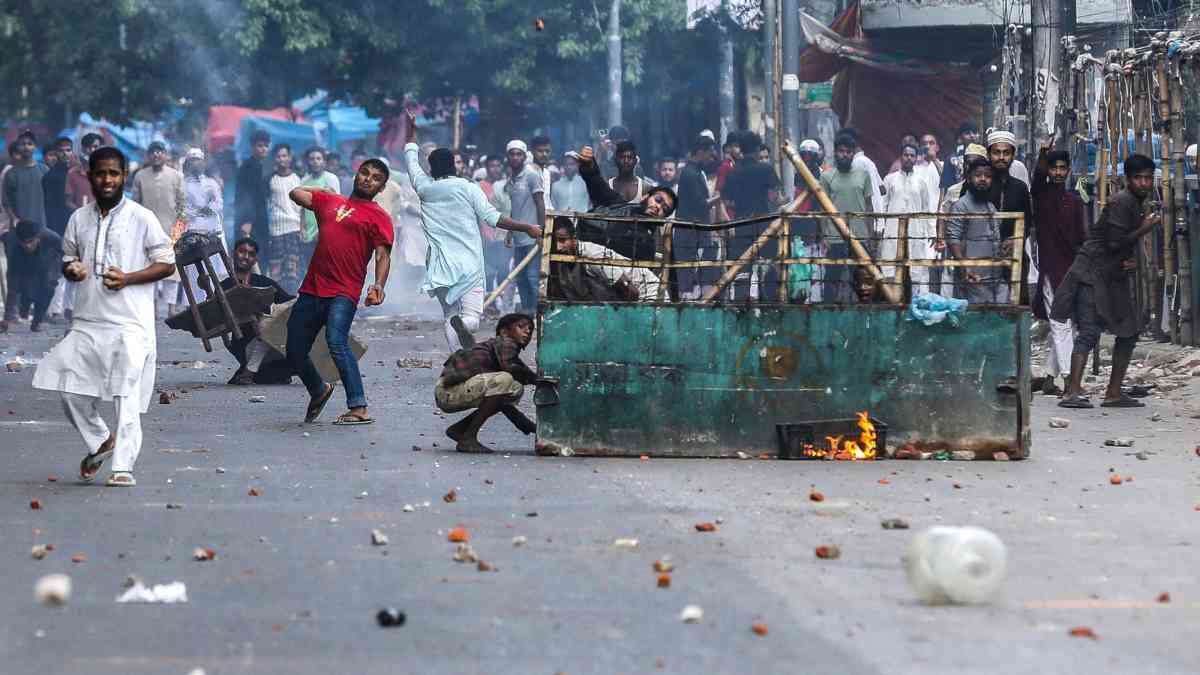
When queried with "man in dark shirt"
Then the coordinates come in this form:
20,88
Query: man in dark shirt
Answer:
489,377
54,190
1061,230
636,241
258,362
252,191
752,189
1096,293
695,206
34,264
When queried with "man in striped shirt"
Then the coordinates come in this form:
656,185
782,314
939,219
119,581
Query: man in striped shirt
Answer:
284,219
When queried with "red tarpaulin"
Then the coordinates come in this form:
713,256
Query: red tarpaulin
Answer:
884,95
225,120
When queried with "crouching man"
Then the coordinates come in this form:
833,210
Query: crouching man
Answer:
489,377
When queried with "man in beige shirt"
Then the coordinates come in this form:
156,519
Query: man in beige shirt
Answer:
159,188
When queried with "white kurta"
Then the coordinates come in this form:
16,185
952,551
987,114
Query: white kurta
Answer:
110,349
908,193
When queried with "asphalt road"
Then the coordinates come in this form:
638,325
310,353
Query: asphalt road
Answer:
296,582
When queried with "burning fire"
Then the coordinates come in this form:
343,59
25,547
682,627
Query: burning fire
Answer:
851,449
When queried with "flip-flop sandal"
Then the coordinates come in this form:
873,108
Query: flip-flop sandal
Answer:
91,464
121,479
349,420
315,408
1075,402
1123,402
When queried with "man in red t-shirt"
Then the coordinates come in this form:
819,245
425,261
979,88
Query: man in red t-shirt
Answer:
350,230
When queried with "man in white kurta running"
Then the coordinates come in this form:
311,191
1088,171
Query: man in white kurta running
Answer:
115,249
452,209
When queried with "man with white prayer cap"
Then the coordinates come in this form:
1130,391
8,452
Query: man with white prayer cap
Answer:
115,250
1009,192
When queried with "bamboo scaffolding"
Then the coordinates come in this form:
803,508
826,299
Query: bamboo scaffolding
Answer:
747,258
1184,332
856,246
1167,270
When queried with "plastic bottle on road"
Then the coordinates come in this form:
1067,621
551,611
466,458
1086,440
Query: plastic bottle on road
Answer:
956,565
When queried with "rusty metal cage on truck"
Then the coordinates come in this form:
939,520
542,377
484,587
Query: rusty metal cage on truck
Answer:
712,377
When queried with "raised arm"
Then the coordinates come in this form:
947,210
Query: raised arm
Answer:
598,190
412,159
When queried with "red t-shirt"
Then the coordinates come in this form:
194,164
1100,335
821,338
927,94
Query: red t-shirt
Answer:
349,231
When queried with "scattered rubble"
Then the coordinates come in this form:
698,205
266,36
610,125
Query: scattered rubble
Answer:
691,614
894,524
458,535
390,618
464,553
663,565
828,552
79,558
816,496
35,504
625,543
1115,479
451,496
258,399
408,508
759,629
706,527
203,554
1163,598
253,492
1119,442
412,362
167,594
52,589
519,540
1059,423
664,581
41,551
1083,632
378,538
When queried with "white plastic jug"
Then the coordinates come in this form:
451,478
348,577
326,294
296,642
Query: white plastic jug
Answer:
955,565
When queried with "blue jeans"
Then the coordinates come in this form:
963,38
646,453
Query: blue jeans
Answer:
309,315
527,282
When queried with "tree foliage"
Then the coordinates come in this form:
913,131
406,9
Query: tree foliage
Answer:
68,57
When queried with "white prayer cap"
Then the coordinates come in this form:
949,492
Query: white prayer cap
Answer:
194,153
517,144
707,133
809,145
1191,152
1001,136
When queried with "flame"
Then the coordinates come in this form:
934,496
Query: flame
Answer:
840,448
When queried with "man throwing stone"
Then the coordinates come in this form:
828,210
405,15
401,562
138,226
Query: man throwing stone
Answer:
452,209
490,378
116,250
350,229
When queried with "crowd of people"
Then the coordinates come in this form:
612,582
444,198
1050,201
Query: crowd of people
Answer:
89,241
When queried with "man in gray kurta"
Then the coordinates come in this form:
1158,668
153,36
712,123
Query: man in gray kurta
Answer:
977,238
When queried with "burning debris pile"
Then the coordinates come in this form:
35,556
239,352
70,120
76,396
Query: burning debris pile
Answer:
859,442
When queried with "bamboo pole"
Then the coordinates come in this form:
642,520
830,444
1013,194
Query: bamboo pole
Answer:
785,252
512,276
1167,269
902,257
856,247
664,274
1018,249
748,256
708,264
1183,247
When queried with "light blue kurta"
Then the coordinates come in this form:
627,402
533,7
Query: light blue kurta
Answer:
451,210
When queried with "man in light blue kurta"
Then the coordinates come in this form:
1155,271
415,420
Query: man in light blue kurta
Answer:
451,210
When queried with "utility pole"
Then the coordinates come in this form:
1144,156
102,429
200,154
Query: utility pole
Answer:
614,64
793,42
725,76
1046,19
770,10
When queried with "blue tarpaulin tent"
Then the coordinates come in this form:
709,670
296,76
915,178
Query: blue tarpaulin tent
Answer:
339,123
132,140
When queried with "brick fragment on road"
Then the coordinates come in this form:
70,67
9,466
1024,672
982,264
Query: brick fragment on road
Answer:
828,552
1059,423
